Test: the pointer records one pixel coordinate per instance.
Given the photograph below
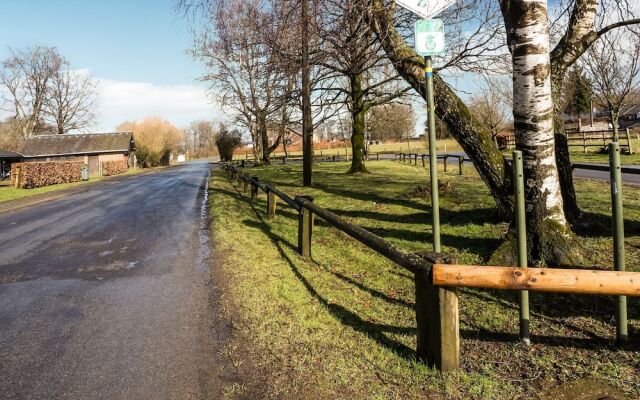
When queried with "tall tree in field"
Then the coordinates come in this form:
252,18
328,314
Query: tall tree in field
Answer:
578,94
352,51
70,100
614,68
245,73
26,77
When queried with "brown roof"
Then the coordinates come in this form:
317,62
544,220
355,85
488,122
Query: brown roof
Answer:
86,143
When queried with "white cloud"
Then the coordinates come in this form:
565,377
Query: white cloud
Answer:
120,101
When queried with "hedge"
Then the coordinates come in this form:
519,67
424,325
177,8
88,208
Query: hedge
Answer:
110,168
38,174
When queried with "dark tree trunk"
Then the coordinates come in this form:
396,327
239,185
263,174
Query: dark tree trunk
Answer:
264,138
358,114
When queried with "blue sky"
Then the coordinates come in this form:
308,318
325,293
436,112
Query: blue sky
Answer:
136,49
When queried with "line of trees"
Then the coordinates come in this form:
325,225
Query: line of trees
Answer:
41,93
362,57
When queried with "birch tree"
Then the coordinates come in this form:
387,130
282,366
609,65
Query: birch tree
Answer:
577,31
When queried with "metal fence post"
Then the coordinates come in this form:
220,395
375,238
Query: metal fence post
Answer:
271,203
305,229
437,322
622,333
254,189
521,236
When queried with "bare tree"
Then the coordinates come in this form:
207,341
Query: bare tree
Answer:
26,76
200,139
490,109
244,71
393,121
613,64
367,79
70,100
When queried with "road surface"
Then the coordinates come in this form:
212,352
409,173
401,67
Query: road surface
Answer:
104,294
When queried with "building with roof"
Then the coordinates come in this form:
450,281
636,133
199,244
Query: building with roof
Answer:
90,148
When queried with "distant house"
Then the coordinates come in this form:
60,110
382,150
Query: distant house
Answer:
90,148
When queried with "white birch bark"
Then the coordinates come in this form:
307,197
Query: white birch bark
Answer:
533,110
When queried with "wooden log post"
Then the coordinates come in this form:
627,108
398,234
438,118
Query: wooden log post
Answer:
18,179
629,140
423,163
446,158
437,322
461,163
584,142
254,190
245,186
271,203
305,229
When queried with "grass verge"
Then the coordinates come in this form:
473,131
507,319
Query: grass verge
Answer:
342,325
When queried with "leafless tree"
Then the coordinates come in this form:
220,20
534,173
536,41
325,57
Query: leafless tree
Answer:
26,77
200,139
613,65
490,109
70,100
393,121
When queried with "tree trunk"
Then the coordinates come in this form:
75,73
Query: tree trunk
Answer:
358,114
528,37
563,159
464,127
307,121
264,138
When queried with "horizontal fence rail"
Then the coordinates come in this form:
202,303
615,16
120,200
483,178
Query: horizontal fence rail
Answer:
577,281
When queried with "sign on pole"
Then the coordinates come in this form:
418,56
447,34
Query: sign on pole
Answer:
429,37
425,8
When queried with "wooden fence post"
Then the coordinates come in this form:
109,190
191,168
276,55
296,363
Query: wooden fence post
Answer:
629,141
254,190
18,177
245,186
271,203
423,164
584,142
305,229
461,163
437,321
446,158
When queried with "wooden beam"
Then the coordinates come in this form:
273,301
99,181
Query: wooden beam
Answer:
614,283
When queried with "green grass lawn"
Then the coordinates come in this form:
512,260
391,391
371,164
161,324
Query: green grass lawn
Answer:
342,325
7,192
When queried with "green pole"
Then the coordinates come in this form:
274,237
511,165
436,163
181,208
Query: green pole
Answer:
622,333
521,235
433,159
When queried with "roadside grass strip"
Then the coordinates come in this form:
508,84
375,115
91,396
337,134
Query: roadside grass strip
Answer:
342,325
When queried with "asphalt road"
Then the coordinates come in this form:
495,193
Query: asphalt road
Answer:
104,294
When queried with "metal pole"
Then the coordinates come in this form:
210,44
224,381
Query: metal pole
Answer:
622,332
521,235
433,160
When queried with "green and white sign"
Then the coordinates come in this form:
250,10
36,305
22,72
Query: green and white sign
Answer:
429,37
425,8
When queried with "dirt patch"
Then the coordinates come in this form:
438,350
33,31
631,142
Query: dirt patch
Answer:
584,389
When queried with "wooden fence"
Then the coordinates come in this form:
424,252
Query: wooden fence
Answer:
436,276
584,139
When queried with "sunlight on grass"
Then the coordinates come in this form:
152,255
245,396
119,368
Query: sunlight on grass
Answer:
343,325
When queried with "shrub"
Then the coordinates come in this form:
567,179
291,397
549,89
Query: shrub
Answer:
227,142
38,174
110,168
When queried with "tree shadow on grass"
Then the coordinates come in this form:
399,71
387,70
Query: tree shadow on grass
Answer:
373,330
600,225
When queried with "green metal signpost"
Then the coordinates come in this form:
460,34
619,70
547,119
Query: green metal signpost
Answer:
429,37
